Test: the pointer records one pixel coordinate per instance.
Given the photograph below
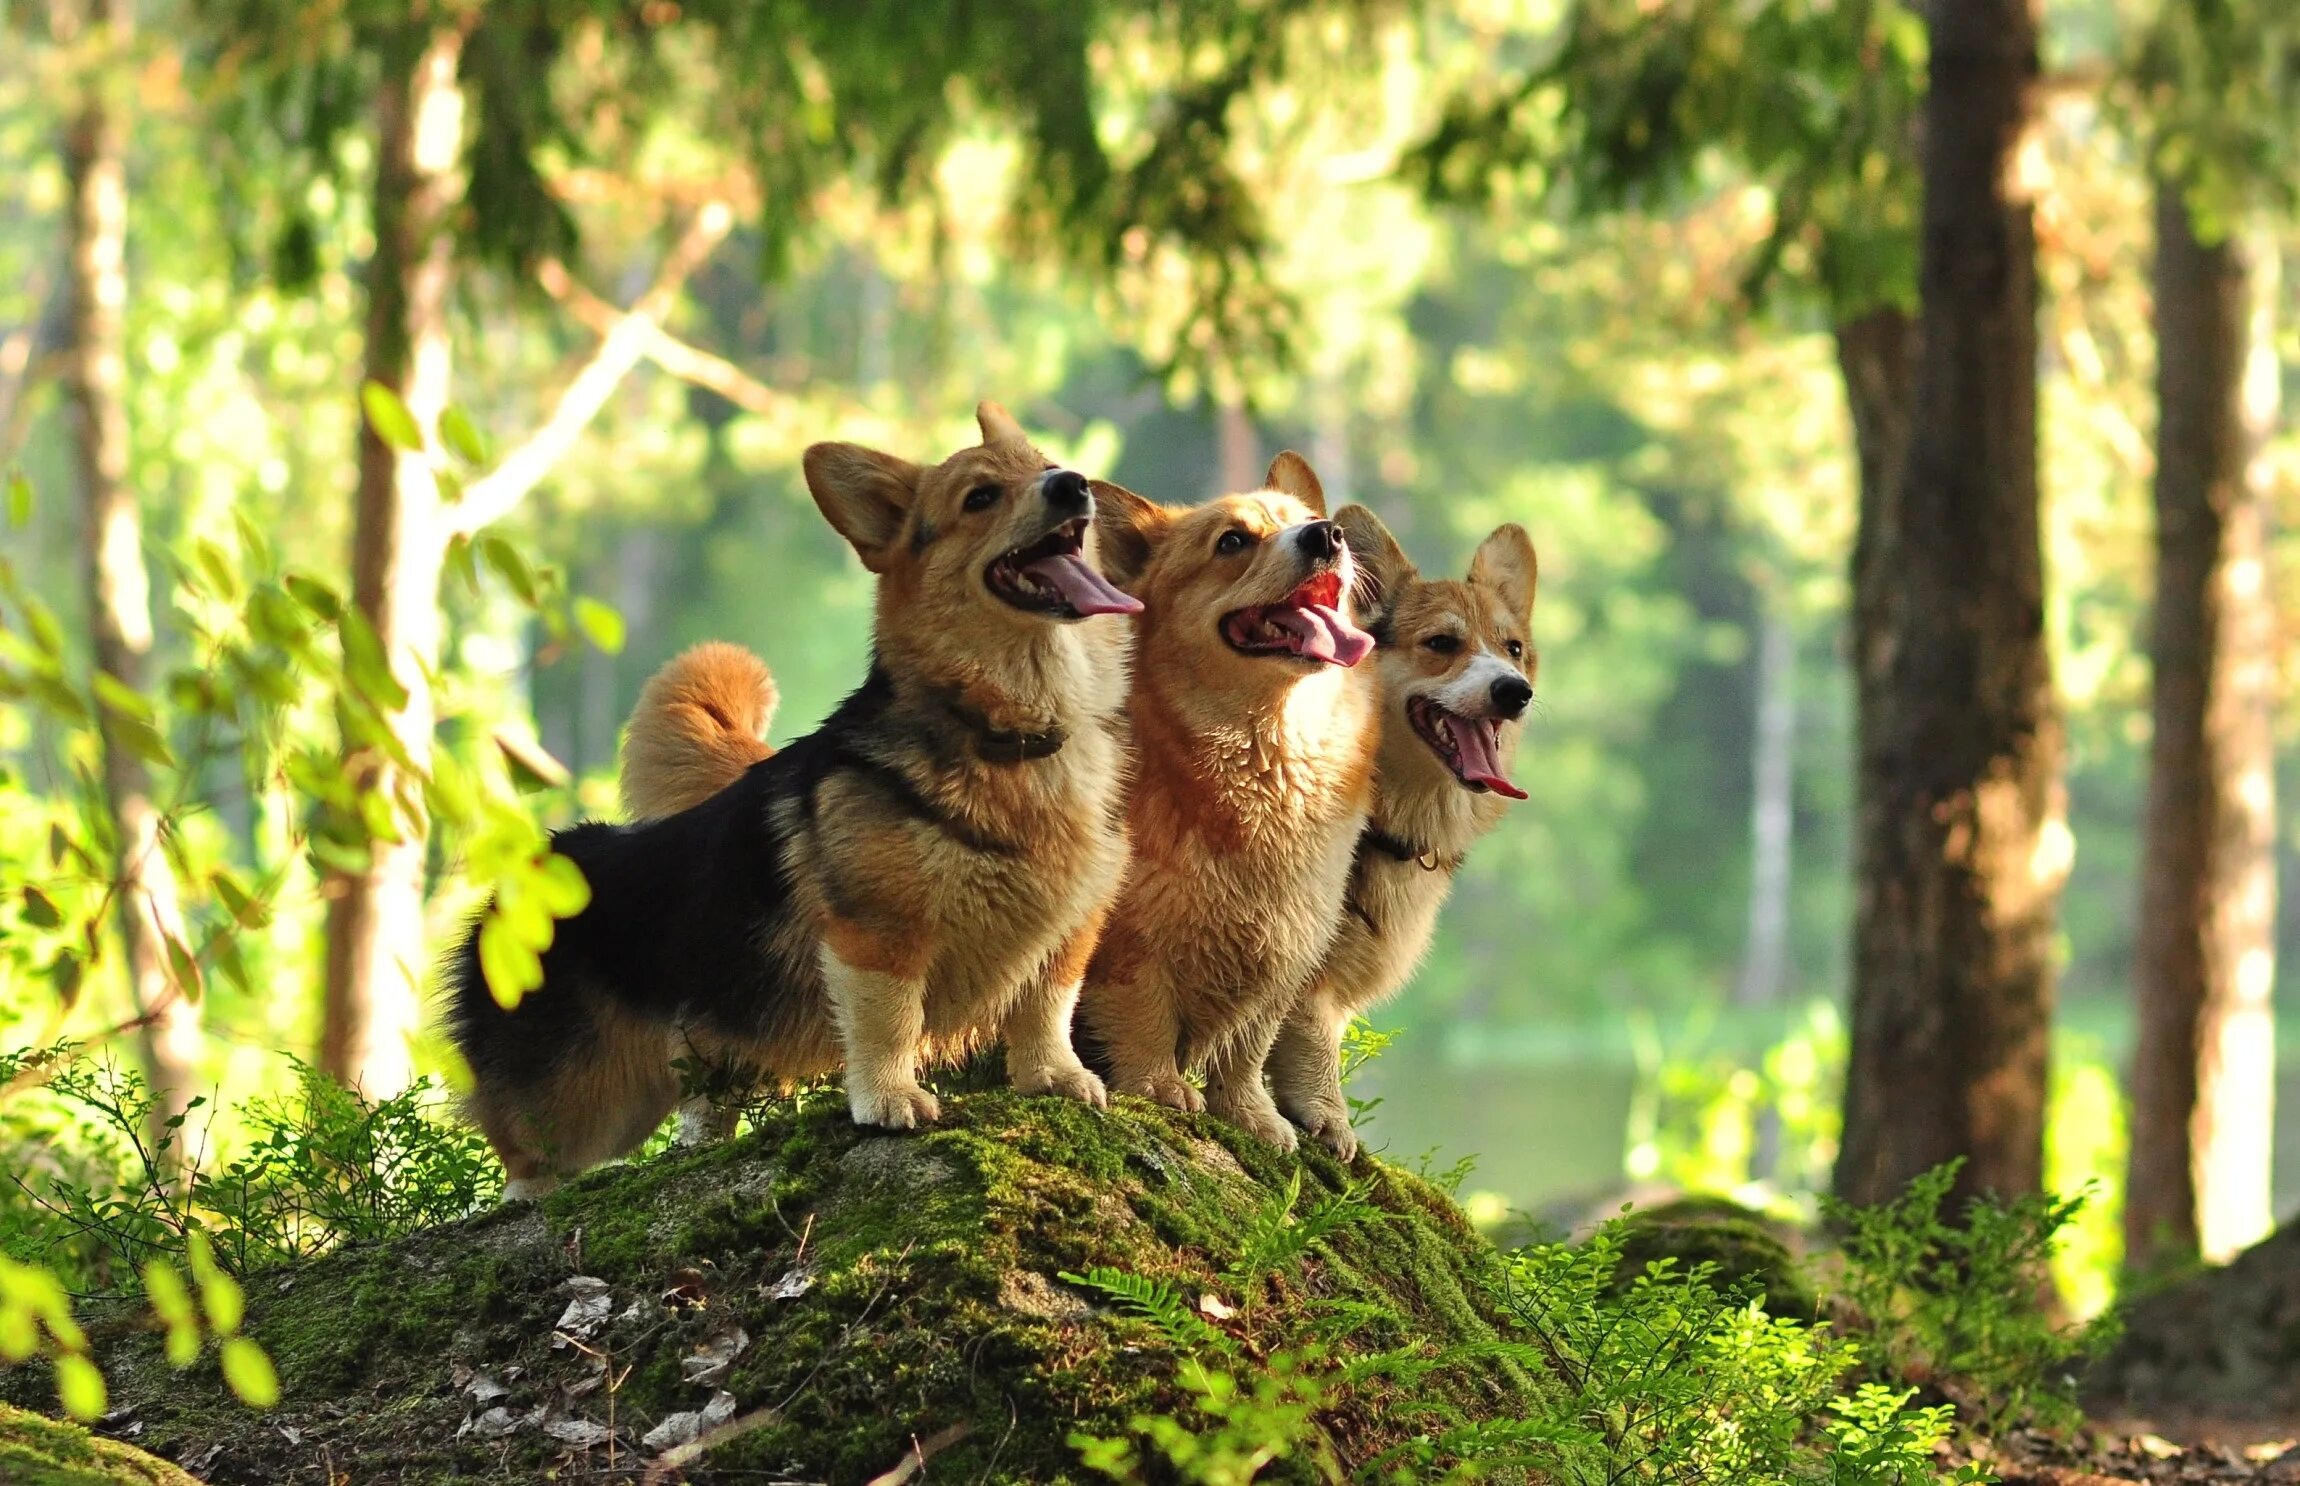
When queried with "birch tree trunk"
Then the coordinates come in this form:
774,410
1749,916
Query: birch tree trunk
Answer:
375,948
1963,845
1772,811
171,1040
2204,1068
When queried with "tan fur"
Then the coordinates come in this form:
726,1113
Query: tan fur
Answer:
923,949
701,721
1252,779
1394,905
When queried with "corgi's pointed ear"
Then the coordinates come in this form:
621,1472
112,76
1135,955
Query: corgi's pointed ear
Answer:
1505,566
1127,530
1291,475
864,494
998,425
1382,565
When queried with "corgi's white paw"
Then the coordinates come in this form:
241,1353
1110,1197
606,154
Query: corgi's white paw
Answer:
1074,1081
701,1123
1170,1089
529,1188
894,1106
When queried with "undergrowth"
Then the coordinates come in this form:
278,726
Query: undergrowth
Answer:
312,1168
1666,1375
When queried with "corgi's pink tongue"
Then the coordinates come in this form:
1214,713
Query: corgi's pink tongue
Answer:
1323,633
1478,755
1085,590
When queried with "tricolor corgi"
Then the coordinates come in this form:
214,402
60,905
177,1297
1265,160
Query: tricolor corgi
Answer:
924,873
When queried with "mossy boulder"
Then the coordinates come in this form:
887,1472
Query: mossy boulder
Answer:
818,1302
2222,1342
1753,1253
38,1451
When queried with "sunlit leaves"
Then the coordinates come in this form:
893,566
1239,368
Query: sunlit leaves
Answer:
390,419
458,433
36,1318
211,1304
366,667
249,1373
19,500
601,623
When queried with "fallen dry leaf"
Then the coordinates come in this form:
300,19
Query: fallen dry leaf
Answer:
578,1432
683,1427
710,1361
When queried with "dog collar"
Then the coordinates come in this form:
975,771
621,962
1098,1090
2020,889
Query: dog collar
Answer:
996,745
1426,858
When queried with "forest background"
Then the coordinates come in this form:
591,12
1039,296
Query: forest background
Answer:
1474,273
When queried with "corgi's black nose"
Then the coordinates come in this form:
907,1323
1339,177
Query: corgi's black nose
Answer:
1511,694
1321,541
1066,490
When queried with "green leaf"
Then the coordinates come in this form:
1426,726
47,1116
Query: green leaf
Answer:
182,967
19,500
222,1299
601,623
60,700
65,973
561,887
510,968
39,909
217,565
364,664
80,1387
172,1302
249,1373
457,432
314,595
505,559
389,417
253,542
246,910
121,699
460,561
144,741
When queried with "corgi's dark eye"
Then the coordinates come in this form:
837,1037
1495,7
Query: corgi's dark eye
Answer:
1232,541
1516,650
1442,644
982,497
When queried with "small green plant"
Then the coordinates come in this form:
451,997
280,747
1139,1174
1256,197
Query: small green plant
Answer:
322,1166
1362,1042
1960,1305
1239,1427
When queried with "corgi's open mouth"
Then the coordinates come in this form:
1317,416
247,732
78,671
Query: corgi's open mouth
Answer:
1470,746
1308,623
1052,576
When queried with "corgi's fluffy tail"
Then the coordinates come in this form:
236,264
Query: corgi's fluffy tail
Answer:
701,722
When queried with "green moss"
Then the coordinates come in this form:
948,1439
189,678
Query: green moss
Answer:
1750,1251
890,1286
37,1451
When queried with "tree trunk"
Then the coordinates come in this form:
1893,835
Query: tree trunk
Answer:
2203,1081
171,1040
1772,813
1963,846
1237,450
375,949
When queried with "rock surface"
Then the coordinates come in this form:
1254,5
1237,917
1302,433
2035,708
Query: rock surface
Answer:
815,1303
2224,1342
